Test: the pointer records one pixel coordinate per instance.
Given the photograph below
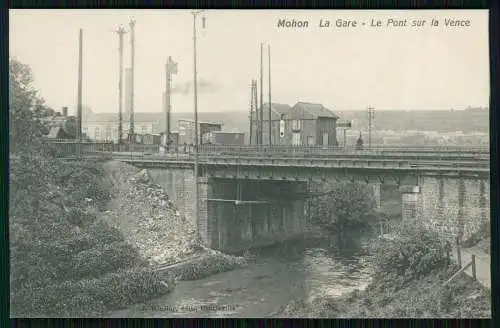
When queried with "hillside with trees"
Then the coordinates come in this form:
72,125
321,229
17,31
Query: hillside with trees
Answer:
65,260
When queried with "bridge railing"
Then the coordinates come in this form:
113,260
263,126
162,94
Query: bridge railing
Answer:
65,147
306,151
68,148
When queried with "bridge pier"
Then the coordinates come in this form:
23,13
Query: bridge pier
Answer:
375,187
410,201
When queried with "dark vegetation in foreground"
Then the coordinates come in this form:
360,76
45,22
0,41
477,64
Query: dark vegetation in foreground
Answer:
408,282
65,261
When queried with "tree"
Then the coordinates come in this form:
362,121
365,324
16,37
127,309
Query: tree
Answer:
346,205
26,110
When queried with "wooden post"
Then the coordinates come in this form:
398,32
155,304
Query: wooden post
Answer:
473,258
459,255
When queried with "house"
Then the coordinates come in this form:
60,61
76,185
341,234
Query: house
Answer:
57,132
305,124
104,126
277,112
186,130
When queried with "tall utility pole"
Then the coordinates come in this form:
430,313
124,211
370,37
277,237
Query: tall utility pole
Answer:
195,84
255,100
132,67
170,69
261,94
251,113
120,32
79,99
270,130
371,116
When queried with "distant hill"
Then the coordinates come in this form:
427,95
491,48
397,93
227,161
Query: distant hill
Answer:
470,120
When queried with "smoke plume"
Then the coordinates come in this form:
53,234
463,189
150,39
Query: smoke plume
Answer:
185,88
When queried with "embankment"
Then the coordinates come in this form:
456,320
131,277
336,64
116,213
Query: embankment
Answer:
71,255
148,219
409,275
65,260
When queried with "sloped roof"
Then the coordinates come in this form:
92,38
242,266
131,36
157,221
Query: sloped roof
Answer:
316,110
277,110
54,132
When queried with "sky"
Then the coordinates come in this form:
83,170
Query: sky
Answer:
343,68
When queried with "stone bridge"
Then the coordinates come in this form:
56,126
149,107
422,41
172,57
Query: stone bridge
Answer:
254,197
242,205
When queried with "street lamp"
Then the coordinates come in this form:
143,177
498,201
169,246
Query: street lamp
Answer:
195,85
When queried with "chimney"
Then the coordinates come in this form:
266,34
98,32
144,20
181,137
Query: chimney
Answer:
65,111
128,95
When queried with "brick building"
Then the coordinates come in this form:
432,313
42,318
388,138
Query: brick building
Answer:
305,124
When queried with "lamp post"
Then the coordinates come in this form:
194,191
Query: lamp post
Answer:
195,88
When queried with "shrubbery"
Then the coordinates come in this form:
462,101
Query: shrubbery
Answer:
346,205
62,257
54,240
90,297
413,253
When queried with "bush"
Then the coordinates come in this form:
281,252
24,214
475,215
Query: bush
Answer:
415,252
104,259
89,297
347,205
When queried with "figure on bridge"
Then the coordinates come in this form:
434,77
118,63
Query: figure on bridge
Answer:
359,142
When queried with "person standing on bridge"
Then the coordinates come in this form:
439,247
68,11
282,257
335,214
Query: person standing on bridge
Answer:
359,142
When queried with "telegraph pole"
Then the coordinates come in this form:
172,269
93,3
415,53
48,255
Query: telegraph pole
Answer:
170,69
120,32
195,85
168,79
371,114
79,99
269,55
132,67
261,94
251,113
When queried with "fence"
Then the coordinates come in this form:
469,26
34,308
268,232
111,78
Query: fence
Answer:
471,264
424,155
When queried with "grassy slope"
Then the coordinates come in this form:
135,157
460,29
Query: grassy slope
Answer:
64,260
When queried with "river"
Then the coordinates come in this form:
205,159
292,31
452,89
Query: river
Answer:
298,269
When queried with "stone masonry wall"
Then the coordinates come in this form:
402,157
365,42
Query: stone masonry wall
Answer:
455,207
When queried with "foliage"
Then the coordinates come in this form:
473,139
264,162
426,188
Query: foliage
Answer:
70,127
414,253
482,233
90,297
347,205
26,110
63,258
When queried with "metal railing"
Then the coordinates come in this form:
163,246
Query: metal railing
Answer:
472,155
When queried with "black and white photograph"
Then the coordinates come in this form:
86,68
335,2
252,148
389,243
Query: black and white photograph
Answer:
249,163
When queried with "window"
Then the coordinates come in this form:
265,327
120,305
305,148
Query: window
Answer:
108,133
296,125
97,133
296,140
144,129
115,133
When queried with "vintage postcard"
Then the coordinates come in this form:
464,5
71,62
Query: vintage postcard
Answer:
241,163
